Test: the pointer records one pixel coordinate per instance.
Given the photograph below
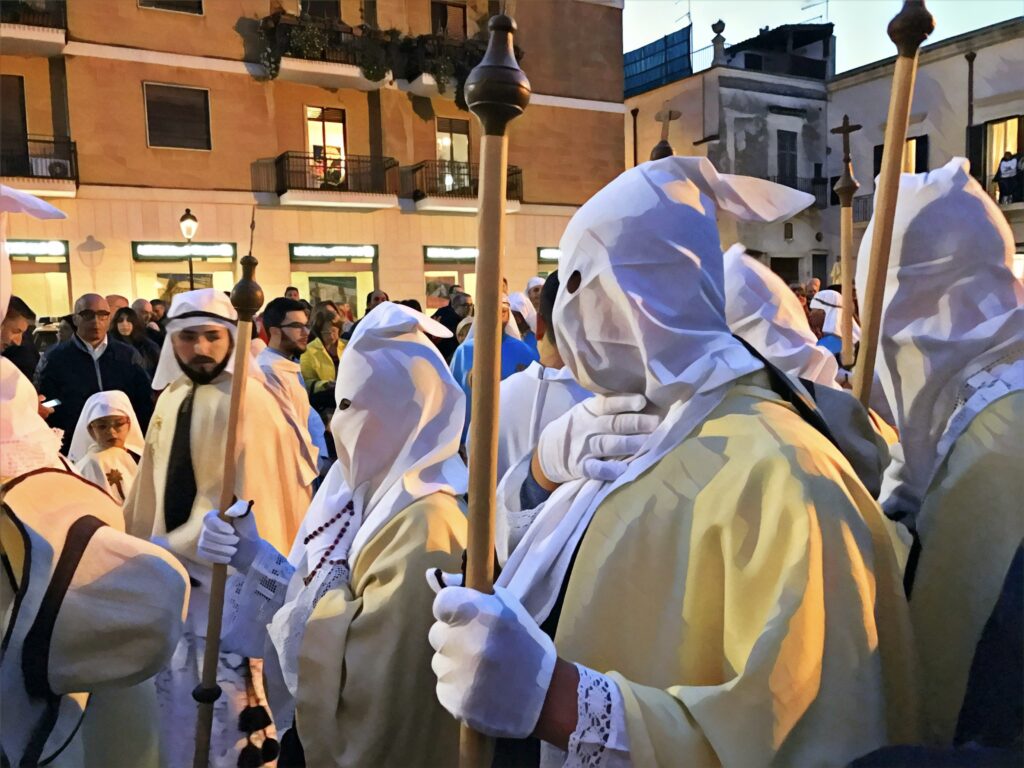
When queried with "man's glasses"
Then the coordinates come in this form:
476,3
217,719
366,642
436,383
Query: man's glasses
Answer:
296,327
88,315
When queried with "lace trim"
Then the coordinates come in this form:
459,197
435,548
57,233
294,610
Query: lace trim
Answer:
983,388
588,742
252,599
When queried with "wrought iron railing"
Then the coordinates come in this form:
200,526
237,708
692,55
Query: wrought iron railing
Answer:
52,14
816,187
352,173
41,157
863,207
447,178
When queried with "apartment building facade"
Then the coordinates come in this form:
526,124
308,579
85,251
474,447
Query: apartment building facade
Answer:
336,127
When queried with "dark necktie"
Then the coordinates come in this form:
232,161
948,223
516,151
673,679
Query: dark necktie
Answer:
180,490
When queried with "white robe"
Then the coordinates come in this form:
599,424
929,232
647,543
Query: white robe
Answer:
100,465
270,473
284,383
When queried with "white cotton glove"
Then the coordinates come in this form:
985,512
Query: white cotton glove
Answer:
590,440
235,543
493,663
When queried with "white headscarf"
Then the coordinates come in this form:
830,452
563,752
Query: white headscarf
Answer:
762,310
194,309
640,310
952,307
398,441
510,329
110,403
832,303
26,441
519,302
534,282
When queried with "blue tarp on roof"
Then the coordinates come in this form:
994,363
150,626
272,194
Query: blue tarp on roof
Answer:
662,62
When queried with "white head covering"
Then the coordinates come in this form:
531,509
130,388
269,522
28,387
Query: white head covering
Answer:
398,441
832,303
952,307
510,329
534,282
194,309
762,310
519,302
110,403
26,441
640,310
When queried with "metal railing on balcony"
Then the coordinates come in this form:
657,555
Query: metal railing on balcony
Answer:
863,207
40,157
447,178
316,39
352,173
816,187
52,14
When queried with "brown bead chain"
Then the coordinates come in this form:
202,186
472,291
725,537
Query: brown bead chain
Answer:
337,540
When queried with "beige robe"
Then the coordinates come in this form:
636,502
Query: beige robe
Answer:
283,383
269,470
365,687
971,523
744,596
112,469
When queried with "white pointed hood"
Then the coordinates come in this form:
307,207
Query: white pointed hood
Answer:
762,310
952,307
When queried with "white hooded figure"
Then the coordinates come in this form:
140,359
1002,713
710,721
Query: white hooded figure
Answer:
106,607
351,594
108,443
706,553
179,479
951,362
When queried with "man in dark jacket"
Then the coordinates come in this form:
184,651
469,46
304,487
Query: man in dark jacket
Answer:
89,363
16,337
459,306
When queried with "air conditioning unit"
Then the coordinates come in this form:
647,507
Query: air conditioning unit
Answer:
59,169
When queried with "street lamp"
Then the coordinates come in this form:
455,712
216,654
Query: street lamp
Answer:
189,224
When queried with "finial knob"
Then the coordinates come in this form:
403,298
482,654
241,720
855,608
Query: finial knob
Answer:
718,27
497,91
910,27
247,296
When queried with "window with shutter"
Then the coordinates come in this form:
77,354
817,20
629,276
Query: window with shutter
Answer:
181,6
177,117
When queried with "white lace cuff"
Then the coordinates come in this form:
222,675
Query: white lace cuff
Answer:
252,599
600,738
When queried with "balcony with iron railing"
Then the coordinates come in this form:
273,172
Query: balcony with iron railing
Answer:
32,29
816,187
451,186
352,181
43,164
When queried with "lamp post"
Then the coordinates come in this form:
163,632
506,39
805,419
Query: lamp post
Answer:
189,224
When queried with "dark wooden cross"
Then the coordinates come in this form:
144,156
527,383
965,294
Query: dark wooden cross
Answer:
847,184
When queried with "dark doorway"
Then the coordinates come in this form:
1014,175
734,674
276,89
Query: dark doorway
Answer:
13,132
788,268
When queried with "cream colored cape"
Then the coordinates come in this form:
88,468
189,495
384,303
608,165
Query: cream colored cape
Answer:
98,465
270,471
744,596
366,689
970,525
283,383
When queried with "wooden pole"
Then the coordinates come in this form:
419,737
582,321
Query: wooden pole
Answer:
845,188
497,92
908,29
247,297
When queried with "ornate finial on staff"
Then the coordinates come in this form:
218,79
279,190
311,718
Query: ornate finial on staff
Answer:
497,90
845,188
247,296
663,148
911,27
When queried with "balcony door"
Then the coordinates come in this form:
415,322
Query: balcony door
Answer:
325,143
786,157
453,171
13,131
448,19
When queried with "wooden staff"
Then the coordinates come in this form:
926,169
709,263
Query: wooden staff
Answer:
845,188
907,30
497,92
247,298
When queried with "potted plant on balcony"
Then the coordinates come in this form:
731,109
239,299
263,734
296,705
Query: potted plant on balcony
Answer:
308,40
